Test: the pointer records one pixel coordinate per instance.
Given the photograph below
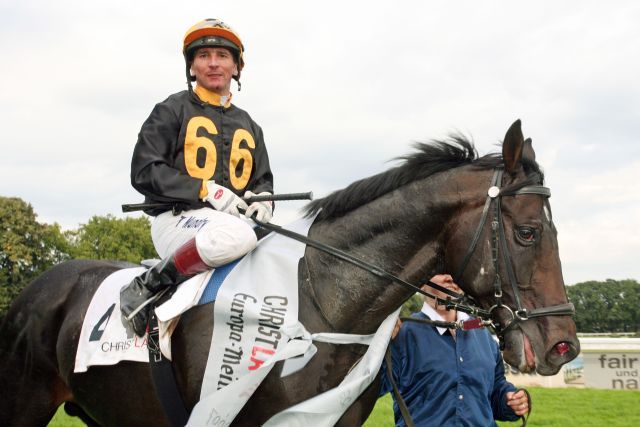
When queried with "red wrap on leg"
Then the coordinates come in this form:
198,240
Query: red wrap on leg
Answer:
187,259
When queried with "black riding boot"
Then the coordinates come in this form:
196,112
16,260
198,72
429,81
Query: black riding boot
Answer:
175,269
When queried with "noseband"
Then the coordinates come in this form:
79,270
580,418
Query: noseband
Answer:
499,247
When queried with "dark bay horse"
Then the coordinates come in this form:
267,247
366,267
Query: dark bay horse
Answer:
414,220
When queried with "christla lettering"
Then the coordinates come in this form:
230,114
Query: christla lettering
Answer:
272,312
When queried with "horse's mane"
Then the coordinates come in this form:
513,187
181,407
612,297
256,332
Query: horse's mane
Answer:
429,158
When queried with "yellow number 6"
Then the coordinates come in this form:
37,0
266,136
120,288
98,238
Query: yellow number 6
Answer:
193,143
237,154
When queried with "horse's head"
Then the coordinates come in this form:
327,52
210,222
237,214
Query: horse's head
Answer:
505,251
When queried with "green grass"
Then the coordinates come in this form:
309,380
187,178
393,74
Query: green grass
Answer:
557,407
61,419
551,407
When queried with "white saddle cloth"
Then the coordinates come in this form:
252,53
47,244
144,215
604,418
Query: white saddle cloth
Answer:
256,325
104,339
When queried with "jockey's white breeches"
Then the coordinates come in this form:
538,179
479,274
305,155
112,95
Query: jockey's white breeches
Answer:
220,237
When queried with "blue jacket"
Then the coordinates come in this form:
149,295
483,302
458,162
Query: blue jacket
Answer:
447,382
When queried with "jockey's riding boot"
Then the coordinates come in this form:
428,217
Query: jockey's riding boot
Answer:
175,269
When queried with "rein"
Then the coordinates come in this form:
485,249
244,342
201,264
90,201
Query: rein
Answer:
458,303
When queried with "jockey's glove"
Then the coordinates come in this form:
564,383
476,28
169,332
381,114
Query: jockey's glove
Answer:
263,210
223,200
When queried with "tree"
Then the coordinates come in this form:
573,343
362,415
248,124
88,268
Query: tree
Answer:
108,237
412,305
610,306
27,247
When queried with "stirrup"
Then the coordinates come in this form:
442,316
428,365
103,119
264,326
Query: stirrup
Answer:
146,303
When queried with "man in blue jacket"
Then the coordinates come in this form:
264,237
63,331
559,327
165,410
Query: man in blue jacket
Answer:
449,377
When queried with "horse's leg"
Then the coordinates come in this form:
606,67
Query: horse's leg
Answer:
31,388
38,343
31,398
119,395
75,410
360,410
190,345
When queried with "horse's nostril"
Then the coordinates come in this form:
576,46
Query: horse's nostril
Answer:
562,348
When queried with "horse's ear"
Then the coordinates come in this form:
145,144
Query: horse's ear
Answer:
512,147
527,151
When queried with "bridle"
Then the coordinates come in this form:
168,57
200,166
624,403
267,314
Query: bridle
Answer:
499,247
463,302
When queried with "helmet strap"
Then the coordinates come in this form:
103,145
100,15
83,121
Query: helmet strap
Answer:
188,73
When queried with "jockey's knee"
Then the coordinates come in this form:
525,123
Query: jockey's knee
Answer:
219,245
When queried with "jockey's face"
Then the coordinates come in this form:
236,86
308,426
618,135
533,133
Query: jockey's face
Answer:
214,67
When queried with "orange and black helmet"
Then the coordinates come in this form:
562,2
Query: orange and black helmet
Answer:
212,33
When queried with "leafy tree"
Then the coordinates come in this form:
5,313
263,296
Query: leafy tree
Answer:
609,306
412,305
108,237
27,247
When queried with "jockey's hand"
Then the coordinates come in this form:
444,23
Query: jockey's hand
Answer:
263,210
223,200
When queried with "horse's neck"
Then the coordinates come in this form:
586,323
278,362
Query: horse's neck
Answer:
400,232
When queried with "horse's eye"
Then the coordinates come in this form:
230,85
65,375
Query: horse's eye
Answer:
526,234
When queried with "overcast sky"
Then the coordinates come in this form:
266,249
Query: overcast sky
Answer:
340,88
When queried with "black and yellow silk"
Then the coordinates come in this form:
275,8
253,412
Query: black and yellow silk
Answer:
189,139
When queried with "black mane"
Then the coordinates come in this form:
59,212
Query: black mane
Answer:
429,158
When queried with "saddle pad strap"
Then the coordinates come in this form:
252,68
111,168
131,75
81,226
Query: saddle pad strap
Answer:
164,380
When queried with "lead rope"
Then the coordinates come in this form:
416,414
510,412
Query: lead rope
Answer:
404,410
522,417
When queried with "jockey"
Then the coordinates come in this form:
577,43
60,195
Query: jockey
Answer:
201,153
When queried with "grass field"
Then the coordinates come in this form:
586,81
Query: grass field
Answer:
551,407
557,407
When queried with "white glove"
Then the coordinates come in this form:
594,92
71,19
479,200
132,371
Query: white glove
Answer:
224,200
263,210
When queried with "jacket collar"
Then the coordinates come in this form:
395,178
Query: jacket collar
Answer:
212,98
432,314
